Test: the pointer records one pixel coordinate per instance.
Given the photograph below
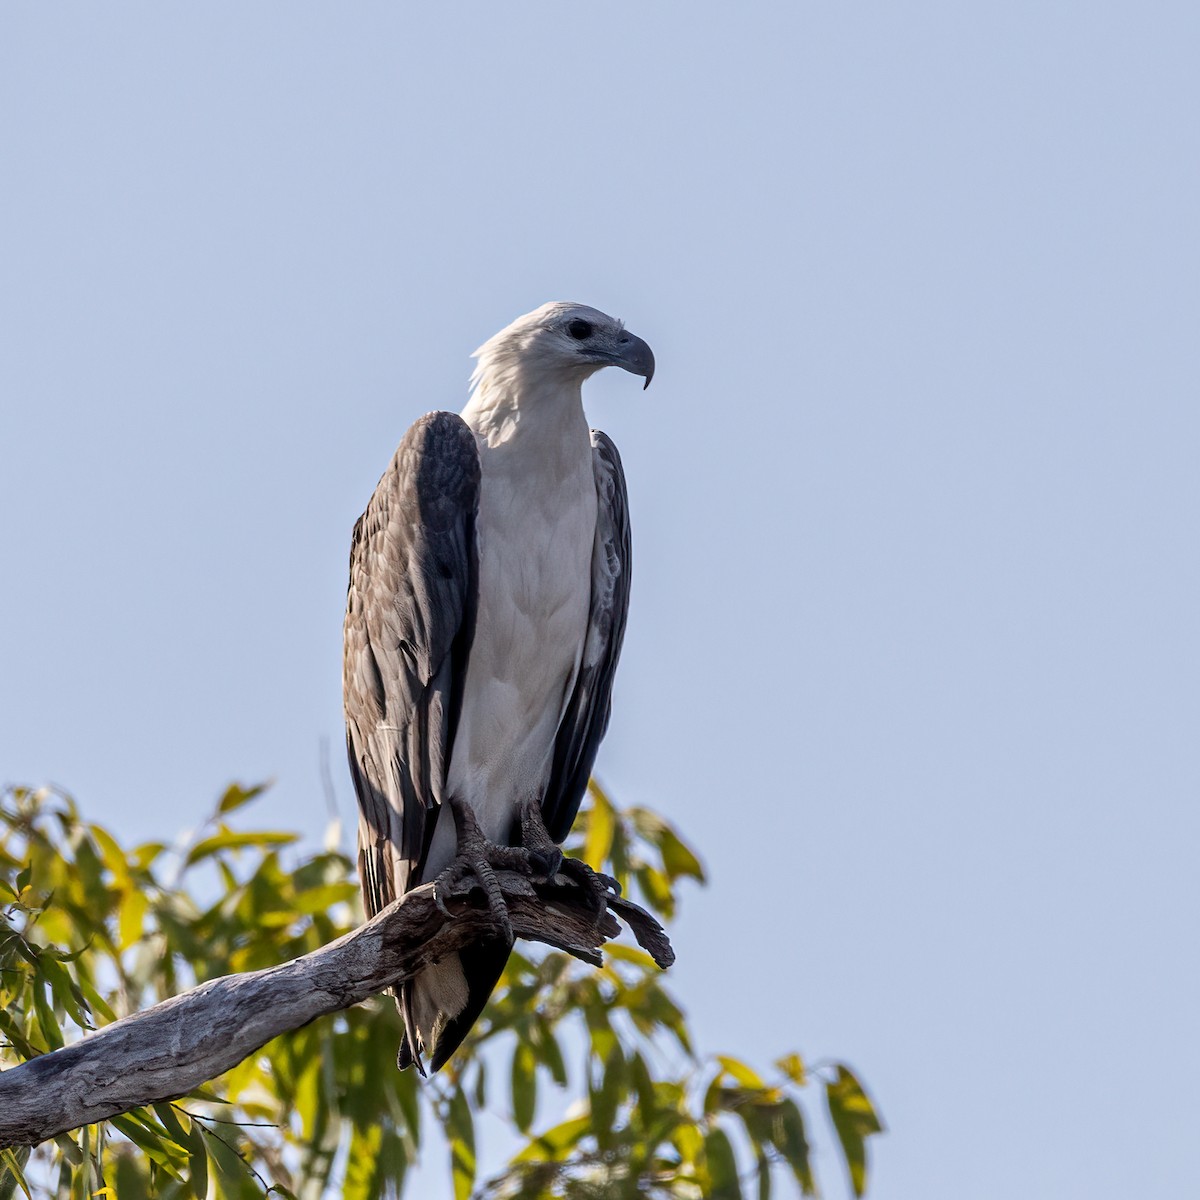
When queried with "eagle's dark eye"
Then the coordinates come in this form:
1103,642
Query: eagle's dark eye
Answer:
580,330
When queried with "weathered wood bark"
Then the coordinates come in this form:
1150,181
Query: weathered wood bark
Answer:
166,1051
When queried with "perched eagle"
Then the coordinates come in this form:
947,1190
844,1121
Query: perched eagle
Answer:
489,585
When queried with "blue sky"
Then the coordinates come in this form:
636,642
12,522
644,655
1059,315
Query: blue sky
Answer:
914,653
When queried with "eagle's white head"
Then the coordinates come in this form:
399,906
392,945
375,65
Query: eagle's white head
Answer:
558,344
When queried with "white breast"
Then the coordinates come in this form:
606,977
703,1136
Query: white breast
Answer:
536,527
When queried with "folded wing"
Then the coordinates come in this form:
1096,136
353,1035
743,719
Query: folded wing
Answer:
586,717
410,618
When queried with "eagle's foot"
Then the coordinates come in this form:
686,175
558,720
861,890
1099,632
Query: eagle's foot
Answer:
595,885
548,860
476,864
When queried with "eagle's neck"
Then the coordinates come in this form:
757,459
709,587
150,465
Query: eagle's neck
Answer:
538,416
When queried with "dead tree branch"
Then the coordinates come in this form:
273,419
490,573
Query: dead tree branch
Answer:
166,1051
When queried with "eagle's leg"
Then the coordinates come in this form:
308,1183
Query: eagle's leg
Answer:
544,853
478,858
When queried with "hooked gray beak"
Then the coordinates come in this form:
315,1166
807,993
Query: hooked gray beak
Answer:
636,357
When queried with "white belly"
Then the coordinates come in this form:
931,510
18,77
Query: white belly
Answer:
535,534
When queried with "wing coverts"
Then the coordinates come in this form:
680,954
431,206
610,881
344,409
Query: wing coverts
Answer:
410,617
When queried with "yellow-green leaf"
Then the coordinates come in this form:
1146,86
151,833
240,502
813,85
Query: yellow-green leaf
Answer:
656,889
600,825
745,1075
236,795
854,1118
131,918
792,1142
157,1144
113,855
555,1144
47,1022
722,1166
362,1164
524,1086
227,839
792,1065
460,1131
678,859
13,1162
197,1160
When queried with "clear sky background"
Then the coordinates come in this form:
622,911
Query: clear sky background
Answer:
914,654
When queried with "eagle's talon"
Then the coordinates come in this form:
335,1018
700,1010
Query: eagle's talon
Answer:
593,884
479,858
544,865
437,898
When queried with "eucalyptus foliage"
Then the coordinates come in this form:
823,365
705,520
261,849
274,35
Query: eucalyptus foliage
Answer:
91,930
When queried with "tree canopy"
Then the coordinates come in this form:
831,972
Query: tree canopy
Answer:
593,1071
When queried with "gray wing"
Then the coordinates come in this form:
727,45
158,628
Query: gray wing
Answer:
586,718
410,618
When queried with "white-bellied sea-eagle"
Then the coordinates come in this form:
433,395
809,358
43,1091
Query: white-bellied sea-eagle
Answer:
489,585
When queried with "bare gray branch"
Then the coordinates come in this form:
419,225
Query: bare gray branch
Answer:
166,1051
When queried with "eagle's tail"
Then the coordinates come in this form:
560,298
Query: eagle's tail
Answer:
443,1002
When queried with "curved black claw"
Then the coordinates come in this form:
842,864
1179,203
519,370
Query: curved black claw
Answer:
596,886
545,862
473,871
543,852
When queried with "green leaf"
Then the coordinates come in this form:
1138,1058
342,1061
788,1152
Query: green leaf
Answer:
600,1029
47,1022
131,918
606,1098
146,853
234,1180
227,839
460,1132
197,1160
409,1101
792,1142
322,899
171,1123
722,1166
764,1177
12,1031
70,1149
854,1119
362,1164
555,1144
66,993
524,1086
678,859
547,1049
656,890
13,1161
95,1001
236,795
643,1084
158,1146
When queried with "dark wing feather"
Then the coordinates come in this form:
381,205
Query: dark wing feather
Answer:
410,618
586,718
